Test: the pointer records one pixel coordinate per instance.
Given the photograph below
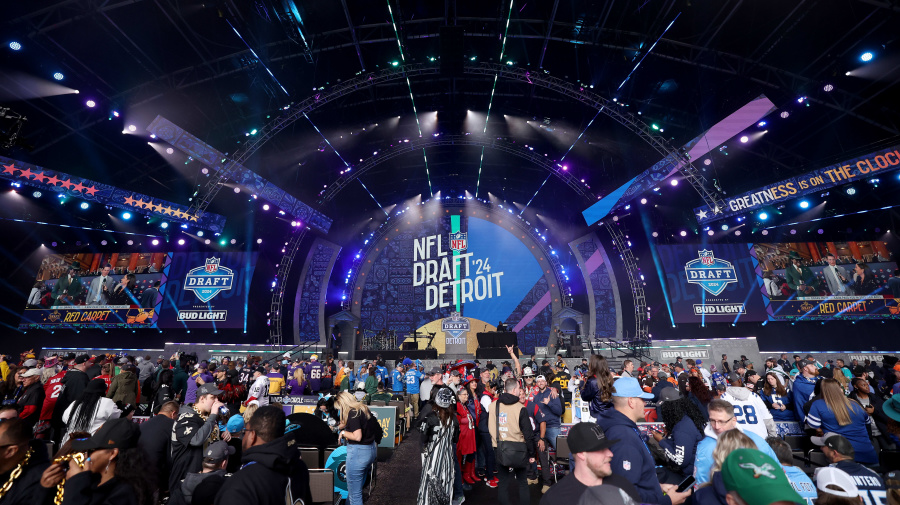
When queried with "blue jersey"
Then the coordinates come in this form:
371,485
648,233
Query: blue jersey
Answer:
413,377
397,381
820,416
801,483
382,374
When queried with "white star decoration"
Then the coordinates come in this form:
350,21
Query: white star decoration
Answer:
701,214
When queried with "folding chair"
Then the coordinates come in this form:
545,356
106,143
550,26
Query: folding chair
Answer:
795,441
817,458
321,485
562,454
310,456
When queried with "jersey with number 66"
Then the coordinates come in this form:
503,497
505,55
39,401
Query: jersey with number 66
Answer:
51,392
749,410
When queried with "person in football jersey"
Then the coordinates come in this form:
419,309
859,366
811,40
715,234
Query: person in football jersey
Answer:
750,410
276,380
52,388
259,390
834,413
775,396
314,371
840,453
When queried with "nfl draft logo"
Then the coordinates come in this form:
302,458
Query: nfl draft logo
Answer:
711,273
209,280
459,241
455,325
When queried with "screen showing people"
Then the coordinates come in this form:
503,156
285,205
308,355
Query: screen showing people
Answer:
781,281
154,289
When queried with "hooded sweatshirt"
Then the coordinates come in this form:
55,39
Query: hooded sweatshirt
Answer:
750,411
704,457
264,475
124,388
713,494
631,458
681,445
801,392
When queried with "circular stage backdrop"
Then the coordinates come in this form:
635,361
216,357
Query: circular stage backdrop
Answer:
456,272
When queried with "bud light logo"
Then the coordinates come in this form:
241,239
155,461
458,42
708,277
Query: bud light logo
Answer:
209,280
459,241
711,273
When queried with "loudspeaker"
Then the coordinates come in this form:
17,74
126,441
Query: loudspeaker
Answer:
452,51
409,346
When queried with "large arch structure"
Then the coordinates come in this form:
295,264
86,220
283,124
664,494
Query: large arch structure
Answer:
364,81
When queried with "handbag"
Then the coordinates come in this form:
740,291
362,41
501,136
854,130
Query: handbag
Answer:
509,454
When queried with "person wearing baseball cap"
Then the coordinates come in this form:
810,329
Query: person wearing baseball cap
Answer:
196,425
832,481
112,472
73,384
803,386
592,457
839,452
752,478
631,458
215,459
32,398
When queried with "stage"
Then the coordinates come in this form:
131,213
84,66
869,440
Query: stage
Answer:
394,355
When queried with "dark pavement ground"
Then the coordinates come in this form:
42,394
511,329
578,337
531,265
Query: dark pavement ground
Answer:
397,481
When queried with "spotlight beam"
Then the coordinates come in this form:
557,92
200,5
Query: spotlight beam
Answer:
497,75
648,52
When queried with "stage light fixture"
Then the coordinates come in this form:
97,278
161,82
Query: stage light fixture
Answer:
828,88
710,233
674,182
15,46
155,242
804,204
820,231
130,242
181,241
200,233
737,233
654,126
707,162
206,241
126,215
222,242
655,234
745,139
164,226
724,227
395,63
36,194
58,76
132,128
866,56
793,232
84,205
683,233
254,131
763,216
259,241
103,242
643,201
765,232
91,104
266,206
53,244
170,151
233,241
851,191
785,114
761,124
237,190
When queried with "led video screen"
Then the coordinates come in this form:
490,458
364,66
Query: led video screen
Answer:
139,289
779,281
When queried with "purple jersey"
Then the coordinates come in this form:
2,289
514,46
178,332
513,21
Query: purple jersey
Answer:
314,372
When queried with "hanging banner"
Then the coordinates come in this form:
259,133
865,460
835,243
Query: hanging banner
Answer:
878,162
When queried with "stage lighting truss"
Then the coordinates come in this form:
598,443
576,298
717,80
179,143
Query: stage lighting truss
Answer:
276,337
641,341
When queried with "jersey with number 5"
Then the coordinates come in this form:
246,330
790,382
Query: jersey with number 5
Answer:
52,389
749,410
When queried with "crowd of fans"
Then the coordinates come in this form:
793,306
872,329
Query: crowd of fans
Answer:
210,435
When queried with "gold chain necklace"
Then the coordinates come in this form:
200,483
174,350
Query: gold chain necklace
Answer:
215,432
16,474
80,458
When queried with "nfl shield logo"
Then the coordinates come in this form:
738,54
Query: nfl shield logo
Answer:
706,257
212,265
459,241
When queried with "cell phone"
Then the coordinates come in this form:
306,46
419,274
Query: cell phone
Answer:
685,484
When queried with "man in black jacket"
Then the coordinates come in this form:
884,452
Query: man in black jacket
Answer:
156,436
270,464
73,384
15,446
514,426
195,426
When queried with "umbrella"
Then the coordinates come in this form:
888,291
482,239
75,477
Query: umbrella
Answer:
463,366
337,463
